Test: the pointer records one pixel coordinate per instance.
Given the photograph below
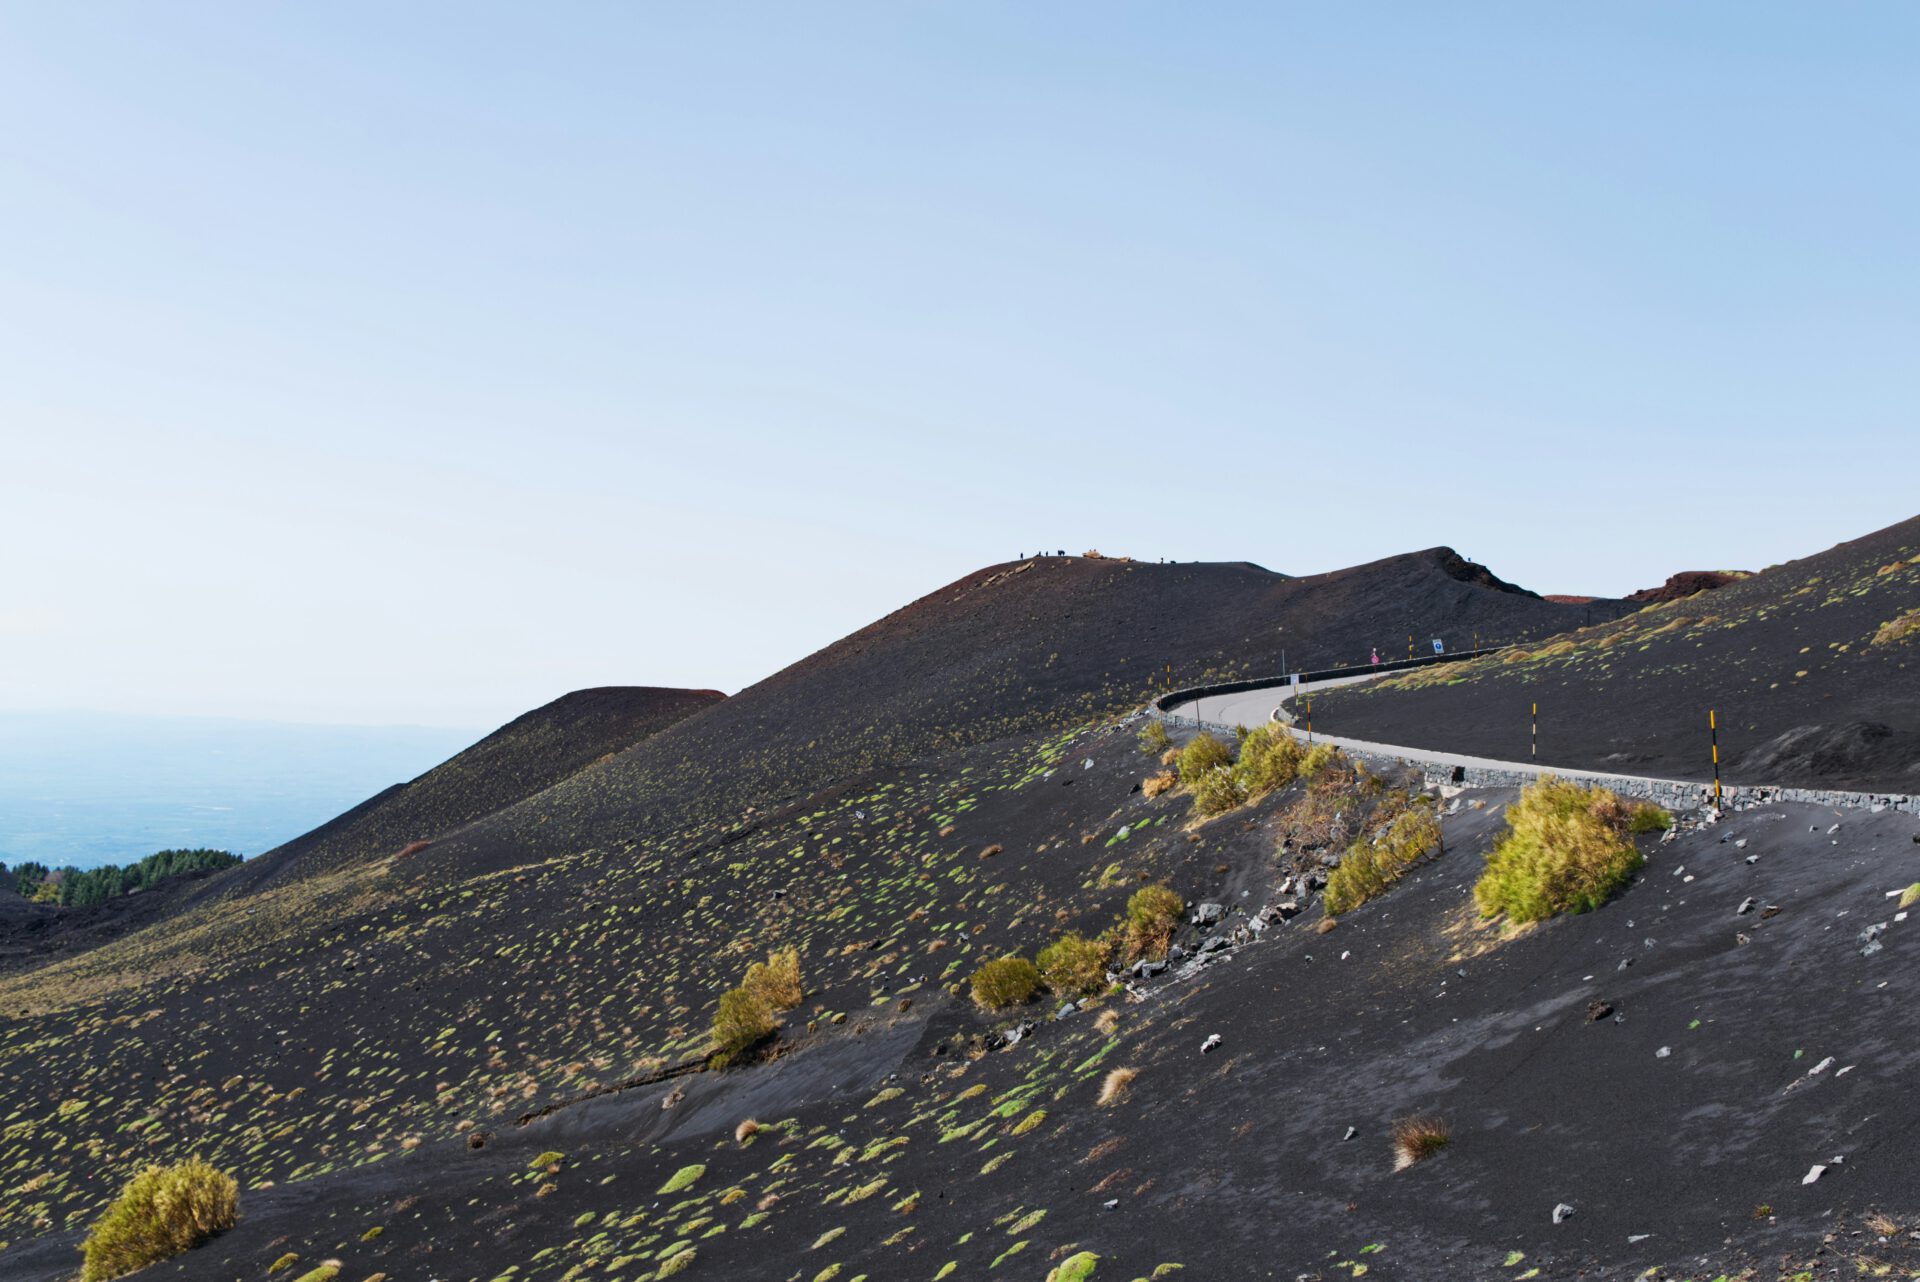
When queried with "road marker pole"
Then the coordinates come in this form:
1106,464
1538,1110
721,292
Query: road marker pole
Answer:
1713,725
1309,721
1534,751
1409,645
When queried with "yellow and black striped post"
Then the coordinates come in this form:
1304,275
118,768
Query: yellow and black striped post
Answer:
1534,751
1309,721
1713,727
1409,645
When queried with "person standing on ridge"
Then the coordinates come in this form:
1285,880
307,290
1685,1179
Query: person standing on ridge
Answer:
1376,656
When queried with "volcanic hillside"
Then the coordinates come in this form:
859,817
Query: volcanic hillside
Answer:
529,754
489,1059
1813,668
1012,649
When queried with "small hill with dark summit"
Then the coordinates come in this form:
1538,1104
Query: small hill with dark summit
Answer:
1812,673
529,754
1016,648
1685,584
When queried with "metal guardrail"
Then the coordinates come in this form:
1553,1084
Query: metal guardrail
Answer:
1191,693
1676,793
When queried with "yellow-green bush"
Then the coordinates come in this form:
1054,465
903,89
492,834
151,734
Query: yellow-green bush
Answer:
1005,981
1216,792
776,981
742,1022
1269,760
1372,865
1318,758
1202,753
161,1212
1648,817
1152,915
1074,966
1565,850
1154,738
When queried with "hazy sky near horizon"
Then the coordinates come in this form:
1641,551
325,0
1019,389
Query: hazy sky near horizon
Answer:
417,363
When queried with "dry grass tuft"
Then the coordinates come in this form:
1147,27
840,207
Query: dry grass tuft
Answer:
1157,784
1114,1088
1417,1138
745,1131
1107,1022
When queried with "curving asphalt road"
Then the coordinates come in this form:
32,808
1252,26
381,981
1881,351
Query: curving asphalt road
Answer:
1256,707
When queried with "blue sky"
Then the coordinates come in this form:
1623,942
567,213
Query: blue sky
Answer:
377,363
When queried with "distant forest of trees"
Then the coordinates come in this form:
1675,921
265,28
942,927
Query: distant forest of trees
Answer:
73,888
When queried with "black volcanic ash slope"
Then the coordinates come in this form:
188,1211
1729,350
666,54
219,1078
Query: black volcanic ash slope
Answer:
359,1036
529,754
1012,649
1787,657
369,1080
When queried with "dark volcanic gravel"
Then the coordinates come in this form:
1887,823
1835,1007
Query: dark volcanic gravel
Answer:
1786,658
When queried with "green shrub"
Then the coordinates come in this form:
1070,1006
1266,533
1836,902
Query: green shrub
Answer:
1216,792
1565,850
1202,753
1269,760
1318,758
1154,737
678,1262
1372,865
742,1023
1073,966
1910,896
1648,817
775,982
161,1212
1152,916
1005,981
546,1159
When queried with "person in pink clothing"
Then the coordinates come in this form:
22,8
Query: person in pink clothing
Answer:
1376,656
